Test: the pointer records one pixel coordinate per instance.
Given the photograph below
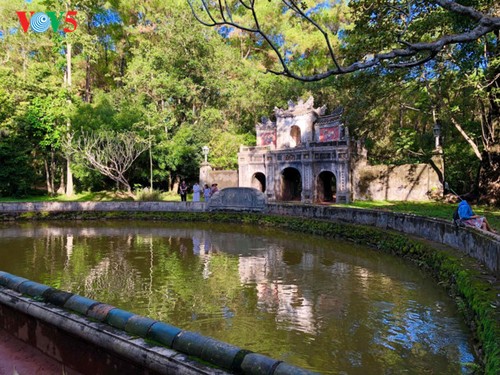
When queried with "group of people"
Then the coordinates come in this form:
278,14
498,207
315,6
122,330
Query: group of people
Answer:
464,211
206,191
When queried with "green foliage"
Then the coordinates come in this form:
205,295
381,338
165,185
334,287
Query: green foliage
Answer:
184,152
224,147
16,172
164,76
46,121
147,194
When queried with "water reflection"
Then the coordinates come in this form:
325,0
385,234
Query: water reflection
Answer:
320,304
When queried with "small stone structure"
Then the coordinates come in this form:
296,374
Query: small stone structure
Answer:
237,199
306,155
223,178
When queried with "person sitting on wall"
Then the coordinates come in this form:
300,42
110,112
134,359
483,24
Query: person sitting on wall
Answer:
470,219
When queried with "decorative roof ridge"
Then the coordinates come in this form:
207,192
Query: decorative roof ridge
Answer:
336,115
266,123
300,108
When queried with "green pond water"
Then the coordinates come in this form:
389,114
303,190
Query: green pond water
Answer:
322,304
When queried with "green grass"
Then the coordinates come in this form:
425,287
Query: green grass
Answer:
101,196
429,209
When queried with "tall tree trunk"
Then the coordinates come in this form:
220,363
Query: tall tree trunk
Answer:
88,93
489,179
62,185
50,188
69,185
52,171
69,173
150,167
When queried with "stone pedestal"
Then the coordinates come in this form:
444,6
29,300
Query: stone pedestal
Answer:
438,161
237,199
205,170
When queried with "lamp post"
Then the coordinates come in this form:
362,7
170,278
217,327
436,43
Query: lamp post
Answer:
205,150
437,133
438,157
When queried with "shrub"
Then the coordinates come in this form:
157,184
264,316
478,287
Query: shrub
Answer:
147,194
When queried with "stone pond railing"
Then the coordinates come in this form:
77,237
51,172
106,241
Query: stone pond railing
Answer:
480,245
95,338
102,206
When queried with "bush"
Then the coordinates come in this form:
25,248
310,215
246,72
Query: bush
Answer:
147,194
16,172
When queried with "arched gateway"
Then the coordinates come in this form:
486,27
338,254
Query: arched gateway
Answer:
302,155
326,187
259,181
291,185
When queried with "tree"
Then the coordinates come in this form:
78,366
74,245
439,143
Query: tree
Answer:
44,123
110,153
402,31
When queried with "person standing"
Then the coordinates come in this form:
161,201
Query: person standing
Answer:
206,192
196,192
183,188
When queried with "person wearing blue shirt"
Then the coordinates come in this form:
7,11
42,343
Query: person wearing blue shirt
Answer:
468,217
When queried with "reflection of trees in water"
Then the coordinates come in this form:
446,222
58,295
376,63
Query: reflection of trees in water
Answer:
113,278
104,274
225,284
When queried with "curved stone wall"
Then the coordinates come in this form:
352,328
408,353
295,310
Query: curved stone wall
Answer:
101,206
480,245
106,339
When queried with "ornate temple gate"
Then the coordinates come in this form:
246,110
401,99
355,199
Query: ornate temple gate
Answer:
302,144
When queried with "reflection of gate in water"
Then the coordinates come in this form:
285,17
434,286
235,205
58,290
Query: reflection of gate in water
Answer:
291,185
326,188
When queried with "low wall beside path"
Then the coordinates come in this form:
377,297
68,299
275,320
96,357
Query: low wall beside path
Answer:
102,206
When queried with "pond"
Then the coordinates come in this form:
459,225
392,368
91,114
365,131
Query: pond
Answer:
321,304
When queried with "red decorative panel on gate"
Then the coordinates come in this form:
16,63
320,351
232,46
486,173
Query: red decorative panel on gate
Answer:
266,138
329,134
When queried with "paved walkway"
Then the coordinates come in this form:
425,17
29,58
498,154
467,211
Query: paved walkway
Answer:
19,358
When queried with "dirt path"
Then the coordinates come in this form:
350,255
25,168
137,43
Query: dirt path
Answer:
19,358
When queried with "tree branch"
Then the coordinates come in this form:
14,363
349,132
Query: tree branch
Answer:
396,58
467,138
110,154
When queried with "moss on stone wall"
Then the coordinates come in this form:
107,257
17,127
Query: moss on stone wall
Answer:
461,275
